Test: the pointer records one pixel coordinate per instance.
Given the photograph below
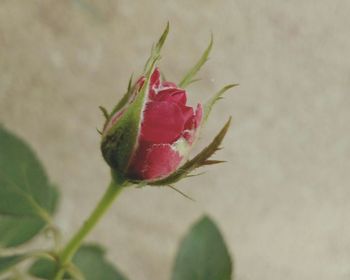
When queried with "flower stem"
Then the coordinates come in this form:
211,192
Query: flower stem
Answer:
73,245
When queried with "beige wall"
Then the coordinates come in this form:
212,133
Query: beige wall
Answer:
282,200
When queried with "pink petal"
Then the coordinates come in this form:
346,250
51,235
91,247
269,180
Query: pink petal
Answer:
173,94
155,78
198,116
188,135
154,83
169,85
163,122
192,124
189,117
161,161
138,162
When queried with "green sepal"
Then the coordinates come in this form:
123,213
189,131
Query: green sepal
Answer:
212,162
155,55
124,99
155,51
199,160
211,102
104,112
120,141
189,77
119,105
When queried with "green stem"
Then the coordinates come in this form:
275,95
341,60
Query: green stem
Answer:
73,245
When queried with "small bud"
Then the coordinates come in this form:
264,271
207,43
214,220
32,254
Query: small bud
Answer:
165,131
149,134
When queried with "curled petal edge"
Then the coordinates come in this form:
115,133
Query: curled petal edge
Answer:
199,160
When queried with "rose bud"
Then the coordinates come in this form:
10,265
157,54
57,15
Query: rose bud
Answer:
148,136
168,129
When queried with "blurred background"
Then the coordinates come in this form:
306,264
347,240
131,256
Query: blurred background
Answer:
281,201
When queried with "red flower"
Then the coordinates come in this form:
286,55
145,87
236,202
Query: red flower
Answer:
147,137
168,129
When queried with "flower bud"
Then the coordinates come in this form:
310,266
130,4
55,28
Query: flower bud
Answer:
146,139
166,130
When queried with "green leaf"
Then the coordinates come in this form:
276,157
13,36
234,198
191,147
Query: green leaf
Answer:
27,198
190,75
217,96
199,160
43,269
8,262
203,254
89,260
